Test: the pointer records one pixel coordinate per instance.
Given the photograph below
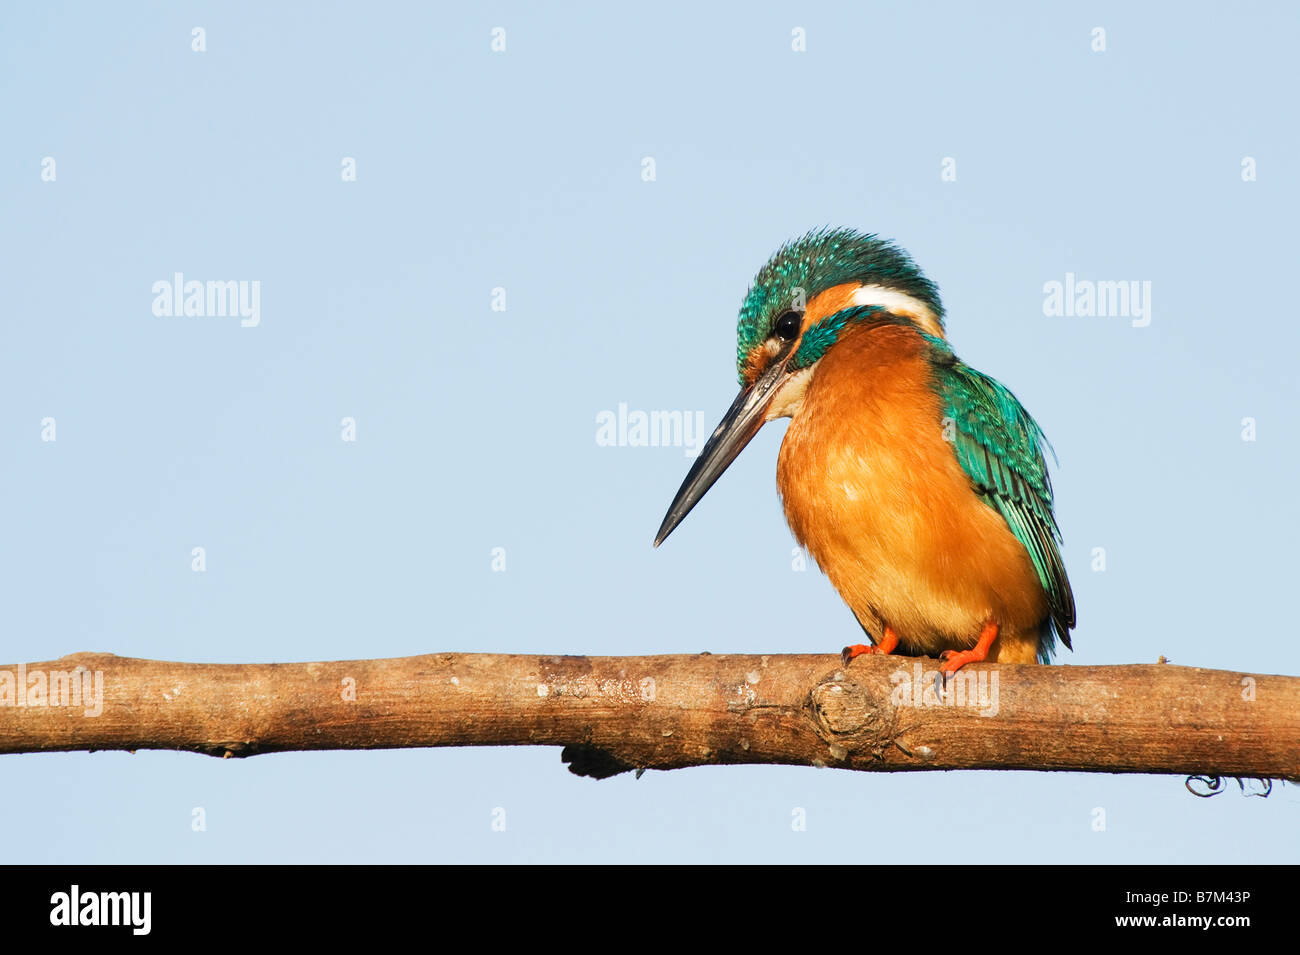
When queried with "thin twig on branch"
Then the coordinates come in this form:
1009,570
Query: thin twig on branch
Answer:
665,712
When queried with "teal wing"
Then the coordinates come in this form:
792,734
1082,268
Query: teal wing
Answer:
1000,446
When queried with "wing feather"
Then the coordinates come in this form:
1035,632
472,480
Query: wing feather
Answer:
1000,447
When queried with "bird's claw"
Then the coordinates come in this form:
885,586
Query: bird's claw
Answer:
853,651
954,660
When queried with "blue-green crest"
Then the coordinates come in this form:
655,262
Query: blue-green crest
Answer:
822,259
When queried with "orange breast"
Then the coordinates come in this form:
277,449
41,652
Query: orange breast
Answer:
877,496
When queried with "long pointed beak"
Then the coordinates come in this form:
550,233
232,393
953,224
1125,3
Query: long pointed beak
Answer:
742,421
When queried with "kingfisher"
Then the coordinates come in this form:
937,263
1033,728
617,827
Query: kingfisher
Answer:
916,483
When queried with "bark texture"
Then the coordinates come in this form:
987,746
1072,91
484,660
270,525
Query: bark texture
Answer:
612,714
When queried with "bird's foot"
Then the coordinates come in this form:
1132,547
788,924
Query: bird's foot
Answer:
888,643
954,660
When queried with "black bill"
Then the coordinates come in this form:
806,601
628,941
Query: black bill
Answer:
742,421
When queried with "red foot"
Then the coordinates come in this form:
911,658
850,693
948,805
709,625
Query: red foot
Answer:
888,643
954,660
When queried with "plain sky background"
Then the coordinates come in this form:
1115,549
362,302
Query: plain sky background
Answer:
476,429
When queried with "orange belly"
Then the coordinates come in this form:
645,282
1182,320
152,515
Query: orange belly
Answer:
875,493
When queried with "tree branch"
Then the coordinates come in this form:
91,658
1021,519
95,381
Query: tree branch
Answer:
665,712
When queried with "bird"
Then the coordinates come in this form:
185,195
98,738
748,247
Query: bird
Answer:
915,482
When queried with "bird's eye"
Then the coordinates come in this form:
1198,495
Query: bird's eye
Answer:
787,326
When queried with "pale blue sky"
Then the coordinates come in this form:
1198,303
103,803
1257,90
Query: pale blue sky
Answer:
476,429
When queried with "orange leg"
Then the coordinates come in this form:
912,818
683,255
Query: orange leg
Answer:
888,643
954,660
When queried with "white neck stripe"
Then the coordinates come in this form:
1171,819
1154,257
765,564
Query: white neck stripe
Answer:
896,301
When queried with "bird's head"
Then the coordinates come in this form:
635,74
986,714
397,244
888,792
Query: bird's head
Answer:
800,303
